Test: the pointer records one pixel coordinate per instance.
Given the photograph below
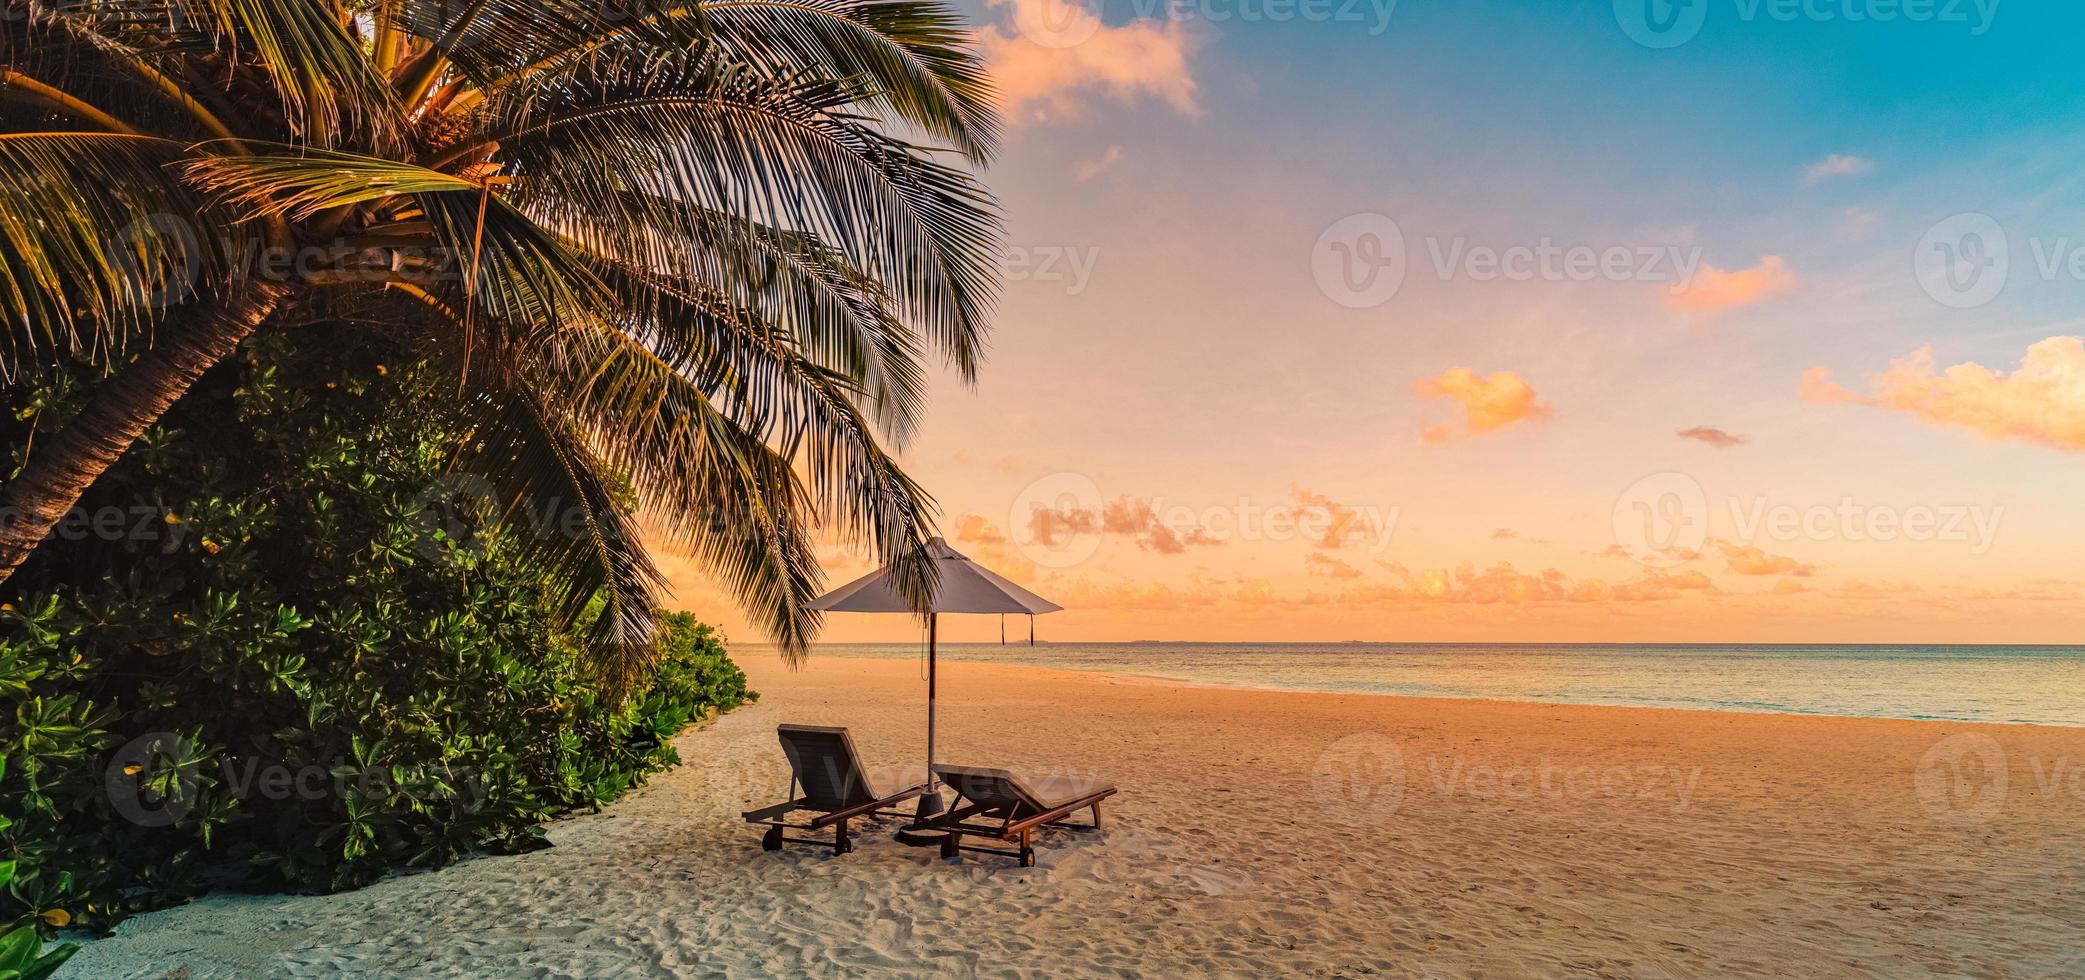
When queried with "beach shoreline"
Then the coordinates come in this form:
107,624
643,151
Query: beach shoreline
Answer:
1257,831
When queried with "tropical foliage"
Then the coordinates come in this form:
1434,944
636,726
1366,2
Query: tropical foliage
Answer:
707,248
286,646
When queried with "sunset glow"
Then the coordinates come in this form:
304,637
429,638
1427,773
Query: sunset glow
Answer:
1749,279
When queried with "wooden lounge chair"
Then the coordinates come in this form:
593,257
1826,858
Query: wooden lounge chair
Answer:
995,803
826,778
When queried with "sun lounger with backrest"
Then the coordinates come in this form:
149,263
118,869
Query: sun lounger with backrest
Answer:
997,804
826,778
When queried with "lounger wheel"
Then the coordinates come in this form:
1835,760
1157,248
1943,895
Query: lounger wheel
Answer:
1027,857
772,840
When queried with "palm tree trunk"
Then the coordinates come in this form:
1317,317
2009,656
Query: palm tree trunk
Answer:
121,409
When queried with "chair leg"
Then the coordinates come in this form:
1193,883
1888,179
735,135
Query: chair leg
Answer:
1027,850
952,845
1096,815
772,840
841,844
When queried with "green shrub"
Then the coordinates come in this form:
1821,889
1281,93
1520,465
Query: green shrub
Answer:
278,647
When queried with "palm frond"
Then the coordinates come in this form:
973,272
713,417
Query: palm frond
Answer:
914,55
840,317
702,130
491,40
763,386
97,237
301,185
331,94
566,520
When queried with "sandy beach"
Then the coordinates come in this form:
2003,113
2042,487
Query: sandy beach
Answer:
1256,833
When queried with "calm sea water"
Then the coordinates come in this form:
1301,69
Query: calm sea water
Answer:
2021,685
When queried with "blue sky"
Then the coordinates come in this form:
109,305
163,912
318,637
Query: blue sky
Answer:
1169,184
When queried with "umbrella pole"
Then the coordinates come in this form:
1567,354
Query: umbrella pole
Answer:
930,803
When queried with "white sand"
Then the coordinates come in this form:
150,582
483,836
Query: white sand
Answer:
1256,833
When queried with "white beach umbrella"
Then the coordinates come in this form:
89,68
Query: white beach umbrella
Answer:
962,586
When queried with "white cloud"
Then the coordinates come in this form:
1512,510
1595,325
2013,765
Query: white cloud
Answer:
1837,165
1056,57
1094,167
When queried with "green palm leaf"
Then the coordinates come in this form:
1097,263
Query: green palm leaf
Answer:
678,244
97,238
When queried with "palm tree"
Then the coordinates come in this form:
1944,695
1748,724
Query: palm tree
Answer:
706,247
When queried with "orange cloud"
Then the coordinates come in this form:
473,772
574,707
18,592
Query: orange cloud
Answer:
1502,584
1714,290
2043,402
1343,524
1329,567
1747,560
1128,515
1056,55
1123,515
985,542
1713,436
1488,404
1048,526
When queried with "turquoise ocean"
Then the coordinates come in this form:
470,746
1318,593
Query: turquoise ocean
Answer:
2041,685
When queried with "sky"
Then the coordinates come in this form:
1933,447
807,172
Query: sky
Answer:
1630,321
